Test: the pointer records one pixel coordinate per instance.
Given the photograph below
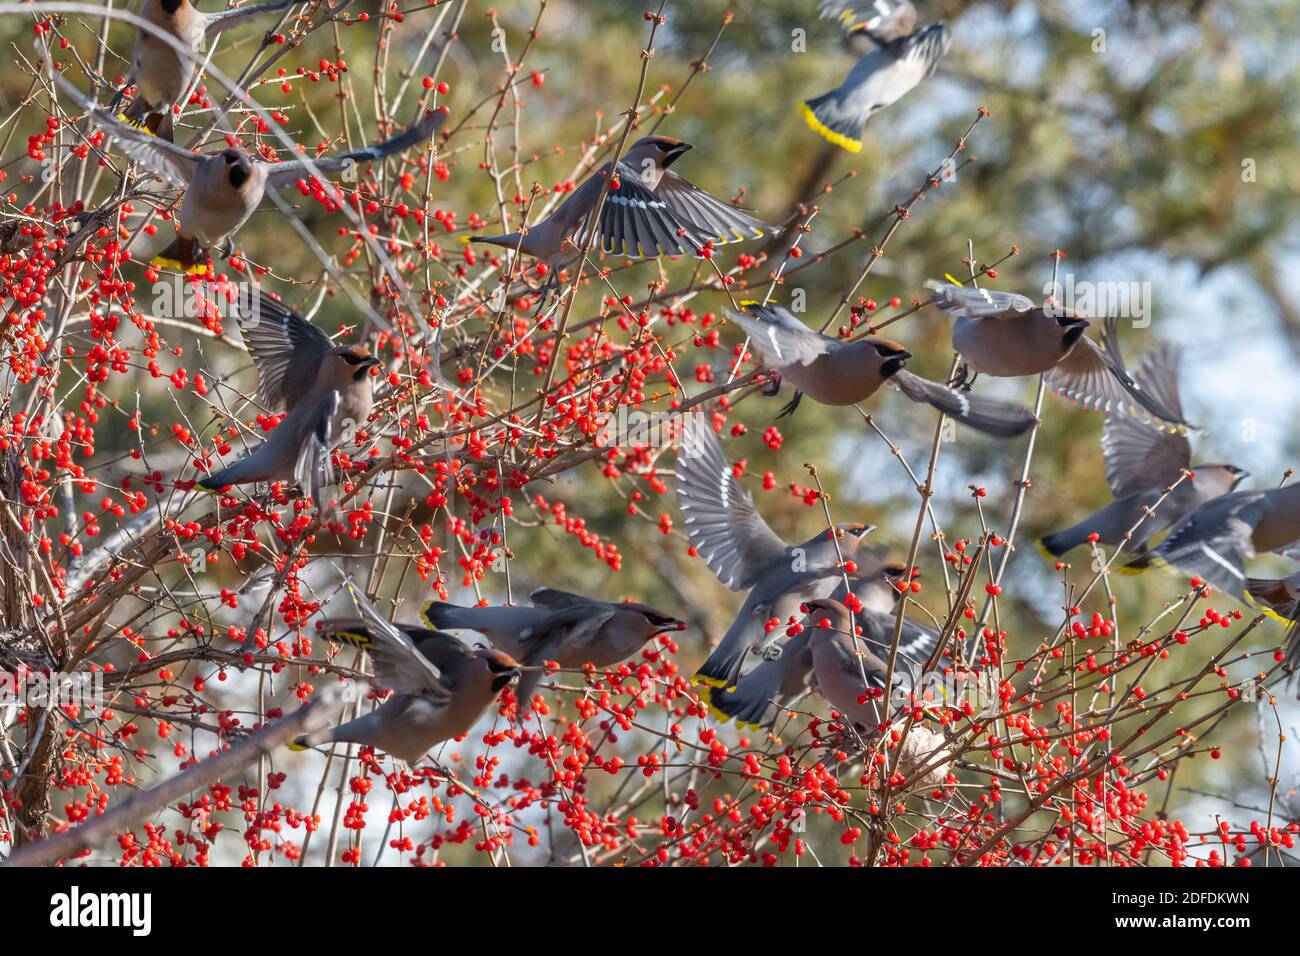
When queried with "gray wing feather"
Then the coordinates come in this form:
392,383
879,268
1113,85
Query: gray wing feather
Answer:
398,664
783,339
721,521
973,303
279,175
1138,455
217,22
286,348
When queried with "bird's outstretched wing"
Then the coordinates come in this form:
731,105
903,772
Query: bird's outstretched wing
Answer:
279,175
1140,456
706,214
783,339
881,20
398,664
286,348
721,521
313,469
1094,376
217,22
169,162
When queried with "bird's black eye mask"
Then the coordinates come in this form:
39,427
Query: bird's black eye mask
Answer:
171,6
362,364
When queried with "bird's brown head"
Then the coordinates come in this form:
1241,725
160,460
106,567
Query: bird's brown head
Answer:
823,610
892,356
238,167
348,363
851,535
662,150
499,667
656,622
1218,478
896,574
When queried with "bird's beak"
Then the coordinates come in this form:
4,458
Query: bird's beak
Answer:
370,362
673,154
868,529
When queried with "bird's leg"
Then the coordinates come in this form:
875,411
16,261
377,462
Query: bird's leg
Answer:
791,405
227,247
963,379
772,387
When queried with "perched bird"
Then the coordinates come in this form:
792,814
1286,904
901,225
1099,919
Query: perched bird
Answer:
440,686
569,629
746,555
879,22
223,189
1004,335
883,76
1216,540
321,386
160,74
652,212
836,372
769,687
840,665
1141,462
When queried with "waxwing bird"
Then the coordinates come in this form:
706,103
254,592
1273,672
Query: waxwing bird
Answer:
653,212
440,686
851,676
160,74
1004,335
746,555
878,22
786,673
1216,540
321,386
223,189
570,629
1280,599
1141,462
883,76
836,372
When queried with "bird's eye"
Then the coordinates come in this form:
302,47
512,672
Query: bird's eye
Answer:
351,359
856,532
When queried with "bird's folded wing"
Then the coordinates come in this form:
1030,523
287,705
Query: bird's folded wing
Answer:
1140,456
882,20
217,22
721,520
572,625
971,303
1095,377
555,598
707,215
636,222
279,175
783,339
915,645
847,660
988,415
398,664
286,348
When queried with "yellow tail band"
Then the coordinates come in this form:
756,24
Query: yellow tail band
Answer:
828,134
